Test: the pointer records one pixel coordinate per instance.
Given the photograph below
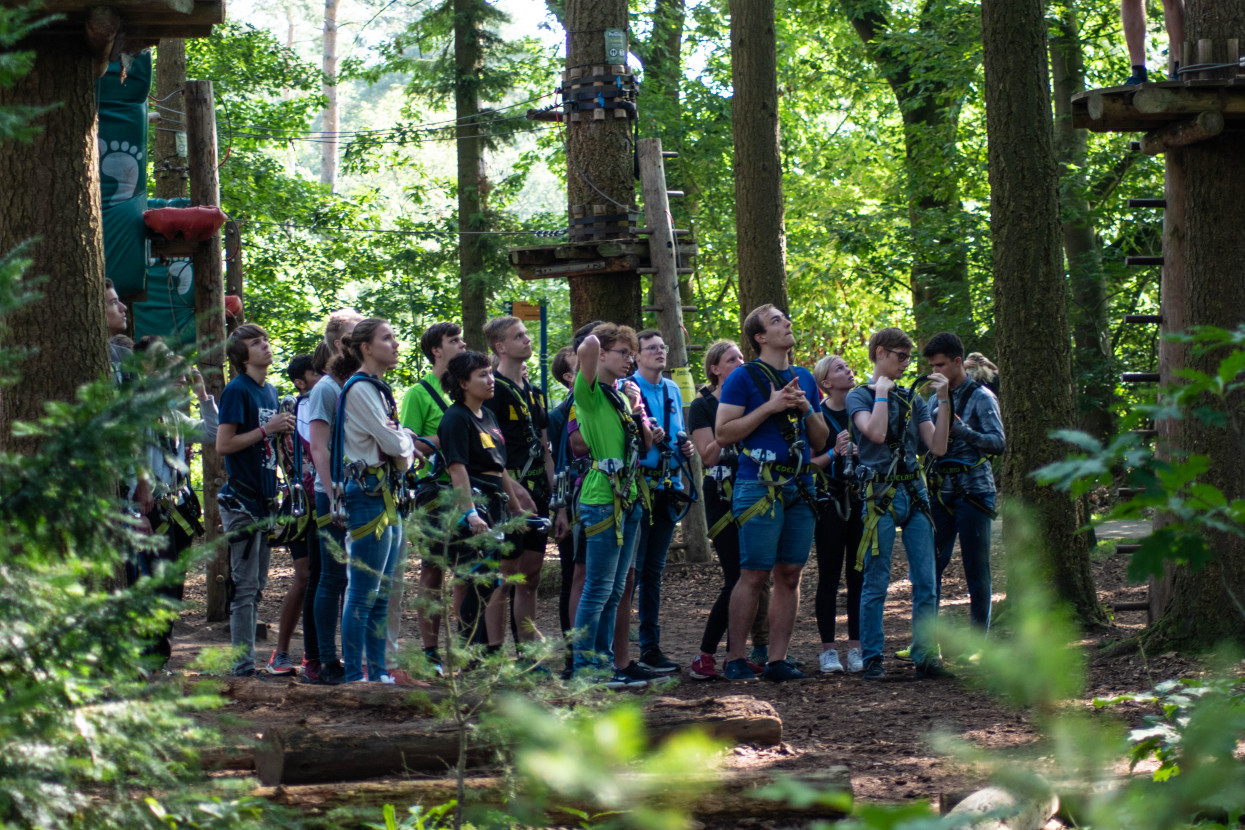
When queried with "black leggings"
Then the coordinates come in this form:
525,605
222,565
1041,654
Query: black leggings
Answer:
836,540
311,644
726,544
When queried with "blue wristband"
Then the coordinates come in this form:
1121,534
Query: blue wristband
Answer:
880,400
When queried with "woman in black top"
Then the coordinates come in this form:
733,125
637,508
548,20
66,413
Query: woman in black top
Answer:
475,457
840,523
721,358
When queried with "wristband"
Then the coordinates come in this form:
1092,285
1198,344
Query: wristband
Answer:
263,431
880,400
471,512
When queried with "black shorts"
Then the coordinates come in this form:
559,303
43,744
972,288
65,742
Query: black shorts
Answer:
526,540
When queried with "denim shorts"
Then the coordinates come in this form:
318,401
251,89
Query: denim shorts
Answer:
785,537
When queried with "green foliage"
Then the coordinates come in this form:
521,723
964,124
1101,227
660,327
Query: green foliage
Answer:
1172,486
15,25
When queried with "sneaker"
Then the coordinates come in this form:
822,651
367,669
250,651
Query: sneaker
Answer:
333,674
434,661
781,671
904,654
738,670
758,657
855,664
311,671
873,669
398,677
932,669
621,681
704,667
281,664
829,662
655,661
1138,77
638,671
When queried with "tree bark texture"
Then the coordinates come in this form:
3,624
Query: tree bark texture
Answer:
332,121
473,183
760,231
170,78
1205,605
1030,299
930,108
600,164
49,194
1092,365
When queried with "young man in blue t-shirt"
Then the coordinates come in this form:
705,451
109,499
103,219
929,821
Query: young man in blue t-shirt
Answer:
770,407
246,438
888,423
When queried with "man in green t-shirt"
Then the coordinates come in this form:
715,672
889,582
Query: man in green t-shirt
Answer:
421,410
617,431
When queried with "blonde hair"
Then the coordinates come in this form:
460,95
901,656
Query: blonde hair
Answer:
822,370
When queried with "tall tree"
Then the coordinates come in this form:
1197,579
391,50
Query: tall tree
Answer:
170,77
51,197
1030,299
759,229
331,120
927,64
473,181
1207,177
1091,334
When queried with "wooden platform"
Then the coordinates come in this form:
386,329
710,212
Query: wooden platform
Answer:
573,259
1148,106
144,21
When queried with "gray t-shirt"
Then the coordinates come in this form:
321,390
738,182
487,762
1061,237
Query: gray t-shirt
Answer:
321,405
877,457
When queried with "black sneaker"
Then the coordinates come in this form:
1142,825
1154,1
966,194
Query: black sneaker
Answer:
873,669
655,661
781,671
332,674
619,680
738,670
637,671
932,670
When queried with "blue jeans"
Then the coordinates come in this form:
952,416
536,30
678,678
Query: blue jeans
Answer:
332,587
766,540
607,564
652,545
973,528
369,582
918,542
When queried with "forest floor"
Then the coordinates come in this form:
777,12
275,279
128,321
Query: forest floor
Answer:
882,732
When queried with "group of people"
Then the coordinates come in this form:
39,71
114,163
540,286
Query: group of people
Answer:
794,461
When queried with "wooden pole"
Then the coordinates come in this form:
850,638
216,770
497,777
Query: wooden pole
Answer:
170,79
1182,133
666,299
209,319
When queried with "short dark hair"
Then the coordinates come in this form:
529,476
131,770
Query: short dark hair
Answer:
435,335
108,286
562,364
888,338
582,333
944,343
146,342
459,371
754,324
299,366
321,356
235,347
647,334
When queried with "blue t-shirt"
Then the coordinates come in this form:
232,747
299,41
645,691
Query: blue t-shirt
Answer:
740,389
252,471
665,408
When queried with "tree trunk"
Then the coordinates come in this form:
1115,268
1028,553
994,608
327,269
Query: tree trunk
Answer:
1030,301
760,233
1206,605
328,149
1091,359
50,195
472,178
170,78
600,164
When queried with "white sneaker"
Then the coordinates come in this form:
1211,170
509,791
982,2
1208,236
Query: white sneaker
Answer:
829,661
388,678
855,664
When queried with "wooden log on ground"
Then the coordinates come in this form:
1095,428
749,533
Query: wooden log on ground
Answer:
417,701
722,795
1182,133
304,754
1001,810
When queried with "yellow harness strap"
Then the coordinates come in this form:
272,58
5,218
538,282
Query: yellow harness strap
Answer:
171,511
387,517
869,540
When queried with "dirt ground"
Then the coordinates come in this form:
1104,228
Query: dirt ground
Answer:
879,731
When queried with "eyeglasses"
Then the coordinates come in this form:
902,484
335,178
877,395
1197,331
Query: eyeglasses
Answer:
656,348
624,352
903,357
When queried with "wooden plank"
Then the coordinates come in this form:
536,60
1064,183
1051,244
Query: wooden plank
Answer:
1153,99
578,268
72,7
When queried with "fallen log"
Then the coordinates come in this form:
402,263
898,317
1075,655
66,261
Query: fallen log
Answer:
418,700
724,794
309,754
999,809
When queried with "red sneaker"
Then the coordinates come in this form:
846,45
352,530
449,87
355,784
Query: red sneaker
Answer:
704,667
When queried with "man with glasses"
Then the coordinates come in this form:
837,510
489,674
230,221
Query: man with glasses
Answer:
887,422
660,468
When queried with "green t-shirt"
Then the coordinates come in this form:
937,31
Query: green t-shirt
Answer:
602,429
419,412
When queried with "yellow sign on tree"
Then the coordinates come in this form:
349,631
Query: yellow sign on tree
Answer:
525,310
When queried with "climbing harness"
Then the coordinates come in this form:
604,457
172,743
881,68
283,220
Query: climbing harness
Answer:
621,472
772,472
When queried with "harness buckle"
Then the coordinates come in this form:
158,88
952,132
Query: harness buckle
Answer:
611,466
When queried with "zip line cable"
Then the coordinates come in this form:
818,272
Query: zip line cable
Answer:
404,232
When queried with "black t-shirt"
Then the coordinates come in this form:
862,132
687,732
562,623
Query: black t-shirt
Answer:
703,413
514,410
476,443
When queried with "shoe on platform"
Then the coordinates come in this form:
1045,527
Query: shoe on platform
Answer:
829,663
